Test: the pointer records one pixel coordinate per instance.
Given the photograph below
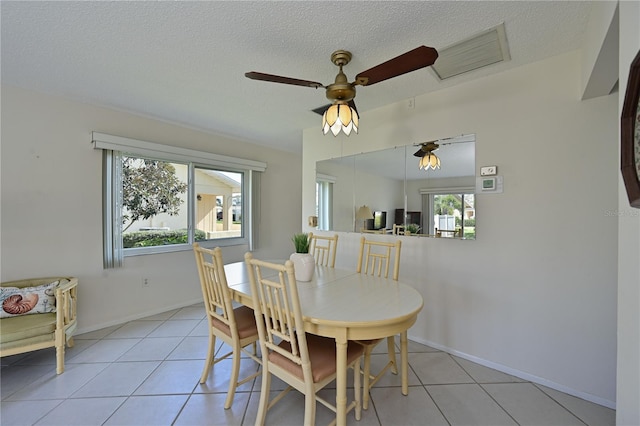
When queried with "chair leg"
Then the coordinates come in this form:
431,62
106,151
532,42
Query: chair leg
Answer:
264,397
309,409
391,349
60,358
209,361
235,371
366,374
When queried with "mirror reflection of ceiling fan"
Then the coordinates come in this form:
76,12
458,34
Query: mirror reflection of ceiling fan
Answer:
427,158
342,114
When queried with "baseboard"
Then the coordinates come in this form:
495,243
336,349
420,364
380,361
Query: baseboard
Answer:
520,374
136,316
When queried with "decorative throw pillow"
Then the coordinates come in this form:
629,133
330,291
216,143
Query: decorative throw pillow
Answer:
16,301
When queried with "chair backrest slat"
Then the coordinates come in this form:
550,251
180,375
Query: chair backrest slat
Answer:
378,254
213,281
277,310
323,249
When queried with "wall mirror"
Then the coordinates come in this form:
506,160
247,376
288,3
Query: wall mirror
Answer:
630,135
403,199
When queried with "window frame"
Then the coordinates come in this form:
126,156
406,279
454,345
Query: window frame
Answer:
114,146
429,204
324,201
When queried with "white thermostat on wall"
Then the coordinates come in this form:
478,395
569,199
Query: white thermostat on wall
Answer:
489,171
489,184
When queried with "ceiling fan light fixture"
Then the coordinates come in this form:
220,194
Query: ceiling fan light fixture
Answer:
429,161
340,116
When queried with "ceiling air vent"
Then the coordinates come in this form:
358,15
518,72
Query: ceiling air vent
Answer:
488,47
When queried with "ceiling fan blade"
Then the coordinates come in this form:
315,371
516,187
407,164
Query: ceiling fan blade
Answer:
279,79
415,59
419,153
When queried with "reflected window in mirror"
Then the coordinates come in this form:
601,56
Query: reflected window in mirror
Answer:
324,201
451,215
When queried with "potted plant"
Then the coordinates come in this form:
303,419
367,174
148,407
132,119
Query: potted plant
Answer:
303,262
411,228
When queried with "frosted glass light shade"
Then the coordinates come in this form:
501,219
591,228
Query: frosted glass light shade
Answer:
429,161
340,117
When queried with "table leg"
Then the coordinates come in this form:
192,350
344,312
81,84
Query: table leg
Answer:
404,360
341,380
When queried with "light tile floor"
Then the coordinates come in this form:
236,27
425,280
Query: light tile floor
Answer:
146,372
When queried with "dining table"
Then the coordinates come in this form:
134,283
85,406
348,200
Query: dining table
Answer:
346,305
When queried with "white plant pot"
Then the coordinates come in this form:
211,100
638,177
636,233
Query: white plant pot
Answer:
303,264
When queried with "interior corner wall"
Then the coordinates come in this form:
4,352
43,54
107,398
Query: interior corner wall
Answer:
51,182
535,294
628,385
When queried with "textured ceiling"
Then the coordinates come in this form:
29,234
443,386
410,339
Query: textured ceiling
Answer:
184,62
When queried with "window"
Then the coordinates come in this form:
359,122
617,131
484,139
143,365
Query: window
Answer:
159,198
452,215
324,201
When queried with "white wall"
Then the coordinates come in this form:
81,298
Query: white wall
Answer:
531,296
52,206
628,408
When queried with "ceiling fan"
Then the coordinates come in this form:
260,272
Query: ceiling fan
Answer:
342,114
427,158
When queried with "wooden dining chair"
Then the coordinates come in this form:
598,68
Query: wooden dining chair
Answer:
375,258
235,327
306,362
323,249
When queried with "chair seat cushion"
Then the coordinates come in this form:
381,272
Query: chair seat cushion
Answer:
322,354
27,326
245,321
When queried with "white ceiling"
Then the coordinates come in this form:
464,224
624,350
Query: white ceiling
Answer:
184,62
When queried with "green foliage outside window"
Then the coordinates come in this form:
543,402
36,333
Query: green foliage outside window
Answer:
159,238
150,187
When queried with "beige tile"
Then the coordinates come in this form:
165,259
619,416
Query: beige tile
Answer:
197,312
528,405
107,350
482,374
59,386
140,328
156,410
419,347
437,368
40,357
590,413
468,404
16,377
191,348
20,413
98,334
202,329
378,361
118,379
151,349
172,377
177,328
162,316
220,373
416,408
82,412
290,410
208,409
